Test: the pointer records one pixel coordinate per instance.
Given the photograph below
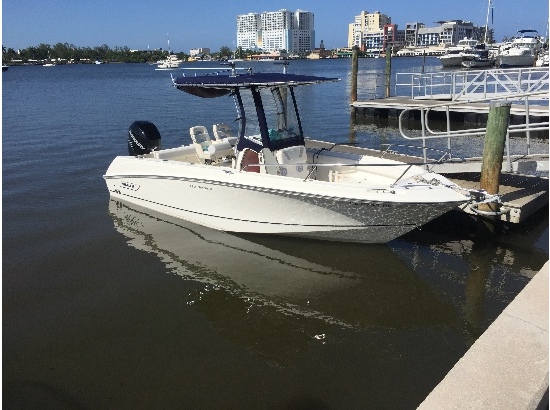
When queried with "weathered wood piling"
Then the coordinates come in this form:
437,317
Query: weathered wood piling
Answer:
353,93
493,150
354,70
388,71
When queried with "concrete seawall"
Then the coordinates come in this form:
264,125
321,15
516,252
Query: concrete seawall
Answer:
507,367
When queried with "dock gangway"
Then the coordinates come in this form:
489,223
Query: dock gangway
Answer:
525,129
464,85
524,182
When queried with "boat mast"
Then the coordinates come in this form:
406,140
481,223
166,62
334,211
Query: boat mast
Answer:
487,20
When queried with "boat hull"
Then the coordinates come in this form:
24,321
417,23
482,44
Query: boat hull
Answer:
227,200
451,61
476,63
516,61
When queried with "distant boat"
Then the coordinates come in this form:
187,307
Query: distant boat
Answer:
521,51
453,56
170,63
477,58
542,59
48,65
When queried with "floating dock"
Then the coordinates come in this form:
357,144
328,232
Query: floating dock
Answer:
467,112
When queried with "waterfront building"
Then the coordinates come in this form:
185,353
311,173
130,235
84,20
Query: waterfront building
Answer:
428,36
411,33
275,31
344,52
455,30
393,36
249,31
320,52
199,52
447,33
367,27
373,41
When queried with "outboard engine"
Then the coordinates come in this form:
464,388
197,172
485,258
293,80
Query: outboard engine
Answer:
143,137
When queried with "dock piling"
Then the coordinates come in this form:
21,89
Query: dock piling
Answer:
354,70
353,92
493,150
388,71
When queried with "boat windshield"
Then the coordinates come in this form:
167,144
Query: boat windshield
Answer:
280,114
269,117
266,105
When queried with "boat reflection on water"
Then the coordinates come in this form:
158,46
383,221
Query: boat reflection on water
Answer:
279,294
352,285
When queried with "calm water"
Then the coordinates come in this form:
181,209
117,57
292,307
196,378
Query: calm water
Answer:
106,306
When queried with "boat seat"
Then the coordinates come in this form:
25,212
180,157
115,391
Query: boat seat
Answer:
296,158
201,140
206,149
223,132
292,155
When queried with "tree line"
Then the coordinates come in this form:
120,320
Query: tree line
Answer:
65,52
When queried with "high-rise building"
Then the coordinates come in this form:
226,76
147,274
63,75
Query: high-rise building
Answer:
277,30
249,31
366,27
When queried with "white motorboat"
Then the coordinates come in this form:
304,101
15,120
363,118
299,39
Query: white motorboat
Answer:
521,52
453,55
266,180
477,58
169,63
542,59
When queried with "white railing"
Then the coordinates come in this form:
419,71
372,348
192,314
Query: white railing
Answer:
467,85
427,133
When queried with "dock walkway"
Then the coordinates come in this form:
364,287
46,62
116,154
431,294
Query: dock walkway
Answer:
468,93
469,112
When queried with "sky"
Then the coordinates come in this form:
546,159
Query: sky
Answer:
143,24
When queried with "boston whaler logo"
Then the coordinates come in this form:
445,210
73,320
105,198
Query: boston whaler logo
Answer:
129,185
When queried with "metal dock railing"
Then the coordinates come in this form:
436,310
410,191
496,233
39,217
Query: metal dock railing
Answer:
467,85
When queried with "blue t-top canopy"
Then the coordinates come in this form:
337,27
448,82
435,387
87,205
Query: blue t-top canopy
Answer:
216,85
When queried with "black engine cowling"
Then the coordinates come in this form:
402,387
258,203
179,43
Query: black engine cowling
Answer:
143,137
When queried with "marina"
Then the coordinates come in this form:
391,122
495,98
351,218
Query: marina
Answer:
108,304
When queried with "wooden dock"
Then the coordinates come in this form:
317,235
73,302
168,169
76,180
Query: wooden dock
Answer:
522,195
